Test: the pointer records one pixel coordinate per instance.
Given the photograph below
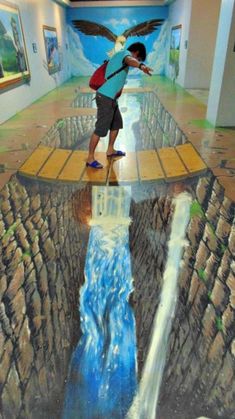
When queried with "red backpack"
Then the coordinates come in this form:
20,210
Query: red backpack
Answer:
98,77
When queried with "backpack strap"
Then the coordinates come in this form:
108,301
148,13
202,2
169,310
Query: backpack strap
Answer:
117,71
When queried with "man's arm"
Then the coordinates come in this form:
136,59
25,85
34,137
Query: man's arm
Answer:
132,62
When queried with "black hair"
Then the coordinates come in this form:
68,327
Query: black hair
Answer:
138,46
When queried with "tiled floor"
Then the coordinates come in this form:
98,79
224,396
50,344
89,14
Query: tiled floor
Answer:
22,133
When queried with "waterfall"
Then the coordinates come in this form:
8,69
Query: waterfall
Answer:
145,402
102,378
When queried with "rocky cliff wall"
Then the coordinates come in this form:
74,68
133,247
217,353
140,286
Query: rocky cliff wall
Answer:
44,233
149,232
41,266
200,373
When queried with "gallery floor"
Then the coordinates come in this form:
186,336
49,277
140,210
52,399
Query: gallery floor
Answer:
21,134
117,285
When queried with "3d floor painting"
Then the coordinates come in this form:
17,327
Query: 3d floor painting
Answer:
117,288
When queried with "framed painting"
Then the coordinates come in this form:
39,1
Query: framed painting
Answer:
175,48
52,51
14,66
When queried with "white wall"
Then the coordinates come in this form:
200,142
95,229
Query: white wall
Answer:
221,103
180,14
199,20
35,14
201,45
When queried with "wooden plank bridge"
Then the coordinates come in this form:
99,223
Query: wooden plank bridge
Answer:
169,164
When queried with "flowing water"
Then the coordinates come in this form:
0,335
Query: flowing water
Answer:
102,379
145,403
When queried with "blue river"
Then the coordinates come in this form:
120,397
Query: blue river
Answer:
102,380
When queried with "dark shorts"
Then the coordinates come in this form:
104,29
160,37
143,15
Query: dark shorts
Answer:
108,115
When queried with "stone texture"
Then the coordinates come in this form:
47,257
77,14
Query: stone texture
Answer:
194,287
38,306
228,321
210,238
195,231
201,256
217,348
218,295
208,322
21,234
223,230
11,396
231,241
24,352
231,284
3,285
35,203
203,190
233,348
9,252
49,249
199,372
225,266
212,213
5,207
15,261
227,209
17,309
2,228
16,281
5,362
212,265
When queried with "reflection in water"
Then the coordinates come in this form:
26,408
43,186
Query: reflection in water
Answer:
102,379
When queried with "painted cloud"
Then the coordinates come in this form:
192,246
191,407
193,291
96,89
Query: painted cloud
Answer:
157,58
80,65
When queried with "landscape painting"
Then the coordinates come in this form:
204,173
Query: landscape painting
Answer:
14,66
51,45
175,48
95,33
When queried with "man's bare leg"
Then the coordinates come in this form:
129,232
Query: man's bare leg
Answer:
112,138
92,146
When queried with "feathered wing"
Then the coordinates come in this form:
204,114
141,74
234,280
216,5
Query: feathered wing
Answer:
92,28
143,28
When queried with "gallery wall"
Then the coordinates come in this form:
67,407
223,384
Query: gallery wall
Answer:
87,52
201,44
198,37
34,15
179,14
221,103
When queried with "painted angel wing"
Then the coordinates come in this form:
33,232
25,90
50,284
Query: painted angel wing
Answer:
143,28
92,28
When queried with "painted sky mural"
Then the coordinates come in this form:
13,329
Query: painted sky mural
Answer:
88,51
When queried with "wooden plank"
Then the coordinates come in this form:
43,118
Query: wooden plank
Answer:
54,164
97,175
34,163
124,169
74,167
149,165
191,158
171,163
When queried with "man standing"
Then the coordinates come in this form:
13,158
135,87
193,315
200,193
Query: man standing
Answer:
108,114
